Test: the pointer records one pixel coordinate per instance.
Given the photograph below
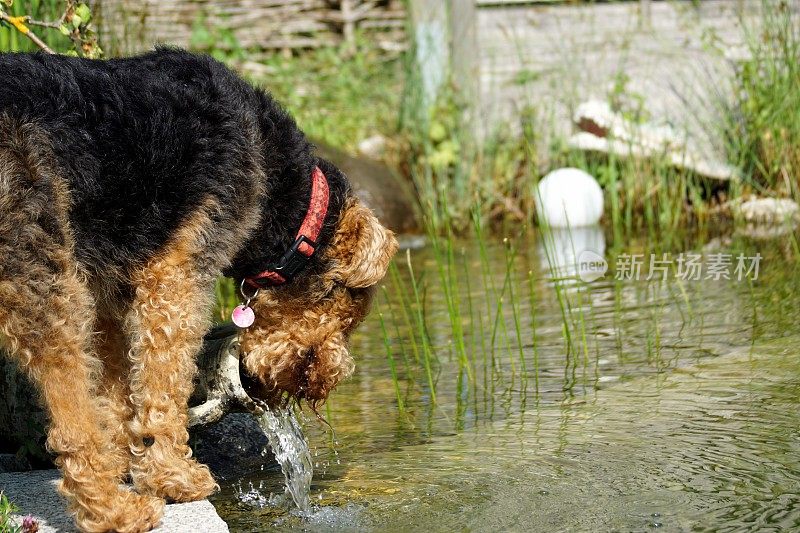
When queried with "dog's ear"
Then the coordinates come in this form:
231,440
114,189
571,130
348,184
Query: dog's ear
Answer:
361,248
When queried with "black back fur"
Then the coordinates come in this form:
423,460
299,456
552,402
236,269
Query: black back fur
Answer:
143,141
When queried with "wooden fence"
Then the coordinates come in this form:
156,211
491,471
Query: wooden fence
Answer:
133,25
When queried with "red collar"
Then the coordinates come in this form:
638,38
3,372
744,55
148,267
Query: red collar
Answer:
306,241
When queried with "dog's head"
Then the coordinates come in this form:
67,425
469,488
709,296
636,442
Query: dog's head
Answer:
298,345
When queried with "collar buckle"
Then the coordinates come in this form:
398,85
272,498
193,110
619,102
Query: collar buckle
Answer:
289,264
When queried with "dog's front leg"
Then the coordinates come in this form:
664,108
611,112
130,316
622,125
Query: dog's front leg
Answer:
110,345
165,326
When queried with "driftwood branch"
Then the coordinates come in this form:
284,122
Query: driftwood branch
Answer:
19,24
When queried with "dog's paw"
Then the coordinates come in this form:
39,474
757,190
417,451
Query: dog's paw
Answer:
124,512
179,479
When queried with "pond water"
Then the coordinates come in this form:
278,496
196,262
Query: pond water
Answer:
614,405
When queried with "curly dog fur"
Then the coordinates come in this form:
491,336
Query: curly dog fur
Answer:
126,188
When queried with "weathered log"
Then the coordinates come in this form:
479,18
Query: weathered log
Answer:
607,132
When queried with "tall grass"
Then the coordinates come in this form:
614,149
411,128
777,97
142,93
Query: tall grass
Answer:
761,123
472,191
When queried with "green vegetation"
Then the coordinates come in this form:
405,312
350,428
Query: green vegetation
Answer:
342,95
63,26
762,122
6,510
339,96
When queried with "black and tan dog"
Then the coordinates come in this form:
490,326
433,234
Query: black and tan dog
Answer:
126,188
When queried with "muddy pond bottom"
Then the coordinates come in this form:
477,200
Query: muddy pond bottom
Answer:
504,397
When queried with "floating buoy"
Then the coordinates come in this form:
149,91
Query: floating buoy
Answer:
569,197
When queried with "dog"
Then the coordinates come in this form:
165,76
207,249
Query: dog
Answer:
127,187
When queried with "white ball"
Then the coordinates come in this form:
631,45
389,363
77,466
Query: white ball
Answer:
569,197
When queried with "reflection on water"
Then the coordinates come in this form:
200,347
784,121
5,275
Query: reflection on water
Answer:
563,249
639,405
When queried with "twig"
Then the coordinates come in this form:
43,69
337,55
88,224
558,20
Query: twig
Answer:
44,24
19,24
56,25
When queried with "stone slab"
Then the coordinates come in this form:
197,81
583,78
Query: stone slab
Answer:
35,494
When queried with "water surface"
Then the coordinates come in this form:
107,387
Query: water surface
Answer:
675,405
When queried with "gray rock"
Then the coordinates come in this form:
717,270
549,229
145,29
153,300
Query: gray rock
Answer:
35,494
9,462
767,211
373,147
235,446
386,193
761,218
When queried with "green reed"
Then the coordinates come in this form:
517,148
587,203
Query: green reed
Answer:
428,354
490,289
532,302
443,249
510,251
392,366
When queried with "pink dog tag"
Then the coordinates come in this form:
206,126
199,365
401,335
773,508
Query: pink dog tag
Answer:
243,316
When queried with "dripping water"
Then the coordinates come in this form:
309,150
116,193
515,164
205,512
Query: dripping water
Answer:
290,447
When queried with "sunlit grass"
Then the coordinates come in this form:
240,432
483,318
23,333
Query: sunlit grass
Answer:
760,125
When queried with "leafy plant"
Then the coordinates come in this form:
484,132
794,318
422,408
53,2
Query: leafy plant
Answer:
341,94
72,19
628,103
7,508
